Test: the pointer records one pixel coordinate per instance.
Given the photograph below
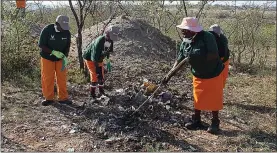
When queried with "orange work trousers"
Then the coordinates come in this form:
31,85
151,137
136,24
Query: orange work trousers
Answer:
50,71
94,74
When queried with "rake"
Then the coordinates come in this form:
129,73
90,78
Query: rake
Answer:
172,71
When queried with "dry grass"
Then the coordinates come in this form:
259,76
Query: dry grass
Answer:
251,99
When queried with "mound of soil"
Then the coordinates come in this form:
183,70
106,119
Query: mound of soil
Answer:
141,52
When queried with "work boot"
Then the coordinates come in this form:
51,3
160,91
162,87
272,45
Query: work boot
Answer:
47,102
92,90
214,127
194,123
101,88
101,91
67,102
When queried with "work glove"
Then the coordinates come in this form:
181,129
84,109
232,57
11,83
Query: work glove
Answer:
58,54
64,63
109,65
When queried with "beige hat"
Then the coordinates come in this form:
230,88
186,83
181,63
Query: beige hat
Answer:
113,32
216,28
190,23
63,21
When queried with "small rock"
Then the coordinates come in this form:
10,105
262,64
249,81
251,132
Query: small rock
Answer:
42,138
192,148
119,90
121,108
106,101
167,107
165,96
177,112
160,103
70,149
72,131
112,139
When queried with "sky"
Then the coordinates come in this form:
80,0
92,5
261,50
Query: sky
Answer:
52,3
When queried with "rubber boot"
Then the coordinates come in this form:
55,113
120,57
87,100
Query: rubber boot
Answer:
93,90
68,102
195,122
214,127
47,102
101,88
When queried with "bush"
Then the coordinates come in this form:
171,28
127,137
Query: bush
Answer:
20,53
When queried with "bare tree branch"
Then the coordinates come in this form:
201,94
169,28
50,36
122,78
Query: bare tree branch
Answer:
185,8
74,12
204,2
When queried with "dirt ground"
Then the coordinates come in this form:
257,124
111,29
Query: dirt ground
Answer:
246,123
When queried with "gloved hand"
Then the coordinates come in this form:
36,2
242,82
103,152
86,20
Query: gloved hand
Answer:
109,65
64,64
58,54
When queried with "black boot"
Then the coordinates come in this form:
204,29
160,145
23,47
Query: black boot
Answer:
92,90
195,122
47,102
101,88
214,127
67,102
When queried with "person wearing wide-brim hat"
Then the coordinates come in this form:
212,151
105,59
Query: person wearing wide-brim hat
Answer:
201,49
223,50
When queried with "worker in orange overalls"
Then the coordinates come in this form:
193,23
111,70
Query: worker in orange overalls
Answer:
94,55
54,43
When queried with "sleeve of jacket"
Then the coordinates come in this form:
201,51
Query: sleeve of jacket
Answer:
225,43
43,38
68,45
98,48
181,54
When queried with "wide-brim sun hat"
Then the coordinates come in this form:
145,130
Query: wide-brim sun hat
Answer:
190,23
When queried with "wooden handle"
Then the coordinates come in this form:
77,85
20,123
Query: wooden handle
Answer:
177,67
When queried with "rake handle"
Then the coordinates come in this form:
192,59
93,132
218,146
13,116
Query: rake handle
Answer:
172,71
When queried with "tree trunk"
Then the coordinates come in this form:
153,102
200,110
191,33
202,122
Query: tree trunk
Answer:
79,42
79,47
